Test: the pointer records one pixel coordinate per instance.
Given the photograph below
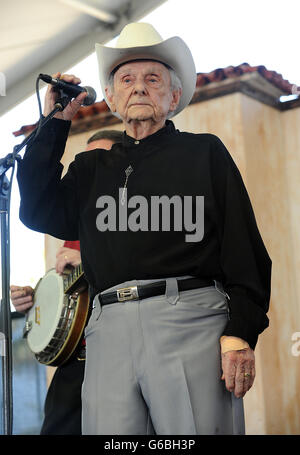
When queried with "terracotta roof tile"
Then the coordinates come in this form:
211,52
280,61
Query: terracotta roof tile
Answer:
234,71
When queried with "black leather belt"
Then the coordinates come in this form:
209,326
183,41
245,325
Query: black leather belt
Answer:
151,290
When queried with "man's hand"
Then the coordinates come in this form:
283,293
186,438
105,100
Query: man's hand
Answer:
66,256
51,96
238,371
21,297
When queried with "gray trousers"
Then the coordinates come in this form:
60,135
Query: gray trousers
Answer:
153,366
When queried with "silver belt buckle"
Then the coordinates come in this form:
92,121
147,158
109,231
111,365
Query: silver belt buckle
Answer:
127,293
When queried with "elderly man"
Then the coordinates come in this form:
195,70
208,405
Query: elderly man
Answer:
169,243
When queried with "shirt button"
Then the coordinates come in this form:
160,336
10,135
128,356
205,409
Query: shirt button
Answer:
136,142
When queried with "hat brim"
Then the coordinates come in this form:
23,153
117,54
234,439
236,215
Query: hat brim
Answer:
173,52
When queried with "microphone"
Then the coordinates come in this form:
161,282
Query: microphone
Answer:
71,89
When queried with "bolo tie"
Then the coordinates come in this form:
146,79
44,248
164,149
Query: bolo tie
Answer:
128,171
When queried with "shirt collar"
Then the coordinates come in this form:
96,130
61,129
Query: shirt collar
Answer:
129,141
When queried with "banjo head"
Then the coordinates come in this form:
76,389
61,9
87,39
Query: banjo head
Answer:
55,323
46,311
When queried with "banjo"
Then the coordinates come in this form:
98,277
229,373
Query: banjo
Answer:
55,323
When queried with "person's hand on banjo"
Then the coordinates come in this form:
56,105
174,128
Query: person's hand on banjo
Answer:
66,256
21,297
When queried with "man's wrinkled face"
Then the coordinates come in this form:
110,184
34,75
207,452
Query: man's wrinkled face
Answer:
142,91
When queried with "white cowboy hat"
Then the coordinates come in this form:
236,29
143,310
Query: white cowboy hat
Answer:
141,41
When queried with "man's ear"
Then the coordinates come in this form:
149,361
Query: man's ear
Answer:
110,98
176,95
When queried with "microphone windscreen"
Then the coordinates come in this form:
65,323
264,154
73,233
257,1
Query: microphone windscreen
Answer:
90,97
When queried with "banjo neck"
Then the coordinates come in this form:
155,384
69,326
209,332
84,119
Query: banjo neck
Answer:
74,280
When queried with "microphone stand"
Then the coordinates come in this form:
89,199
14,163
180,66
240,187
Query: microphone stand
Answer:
5,313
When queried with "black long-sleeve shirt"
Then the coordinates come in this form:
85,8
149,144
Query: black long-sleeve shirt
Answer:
169,163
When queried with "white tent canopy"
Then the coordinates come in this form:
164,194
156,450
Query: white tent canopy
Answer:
38,36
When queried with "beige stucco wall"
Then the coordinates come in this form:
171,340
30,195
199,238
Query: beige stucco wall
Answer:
265,145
